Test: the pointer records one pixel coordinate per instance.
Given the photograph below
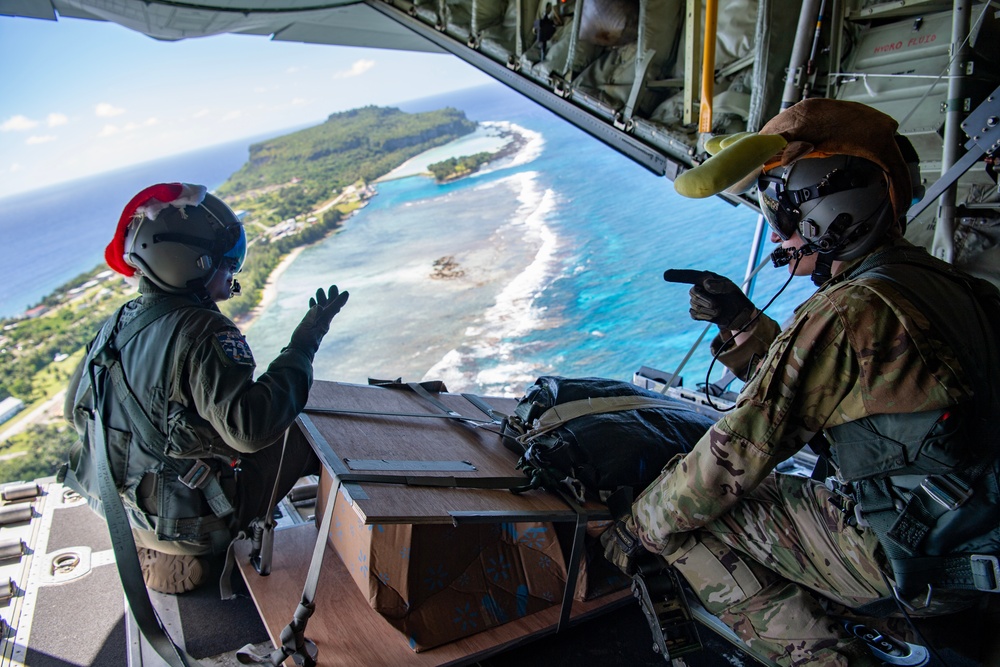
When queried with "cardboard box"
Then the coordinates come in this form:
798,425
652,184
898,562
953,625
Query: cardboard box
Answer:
436,583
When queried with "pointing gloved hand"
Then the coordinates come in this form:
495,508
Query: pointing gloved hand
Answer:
310,331
714,298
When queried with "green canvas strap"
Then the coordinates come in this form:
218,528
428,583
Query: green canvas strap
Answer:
126,556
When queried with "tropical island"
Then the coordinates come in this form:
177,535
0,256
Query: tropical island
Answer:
457,167
293,191
453,168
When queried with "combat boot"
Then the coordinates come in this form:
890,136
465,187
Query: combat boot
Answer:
889,650
171,574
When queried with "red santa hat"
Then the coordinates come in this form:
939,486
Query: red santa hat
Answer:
149,203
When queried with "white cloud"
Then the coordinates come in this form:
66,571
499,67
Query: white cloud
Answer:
201,114
57,119
232,115
105,110
293,70
14,168
357,69
110,130
39,139
18,123
149,122
299,101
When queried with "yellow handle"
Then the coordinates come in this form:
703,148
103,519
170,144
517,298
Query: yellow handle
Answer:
708,66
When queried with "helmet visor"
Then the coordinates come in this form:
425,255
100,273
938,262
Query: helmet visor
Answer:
237,254
781,217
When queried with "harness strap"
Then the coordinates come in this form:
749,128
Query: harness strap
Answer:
154,442
129,569
971,572
902,529
190,526
152,439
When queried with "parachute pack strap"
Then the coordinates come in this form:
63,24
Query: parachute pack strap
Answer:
971,572
293,639
126,556
558,415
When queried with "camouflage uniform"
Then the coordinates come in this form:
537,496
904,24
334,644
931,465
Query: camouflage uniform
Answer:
752,543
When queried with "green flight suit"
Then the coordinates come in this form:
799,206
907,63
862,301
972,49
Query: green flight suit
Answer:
756,545
192,372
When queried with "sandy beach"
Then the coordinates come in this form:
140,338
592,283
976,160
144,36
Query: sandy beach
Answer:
270,290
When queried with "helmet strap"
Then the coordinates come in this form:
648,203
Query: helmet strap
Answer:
823,271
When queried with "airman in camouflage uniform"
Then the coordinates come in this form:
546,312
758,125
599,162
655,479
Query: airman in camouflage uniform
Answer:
777,557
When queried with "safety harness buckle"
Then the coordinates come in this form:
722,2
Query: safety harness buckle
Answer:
946,490
198,477
985,572
896,593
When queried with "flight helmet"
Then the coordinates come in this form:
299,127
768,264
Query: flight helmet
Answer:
180,245
839,204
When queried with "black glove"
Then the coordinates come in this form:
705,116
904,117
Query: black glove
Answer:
308,335
714,298
622,547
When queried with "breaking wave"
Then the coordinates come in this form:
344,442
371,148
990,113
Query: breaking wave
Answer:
488,359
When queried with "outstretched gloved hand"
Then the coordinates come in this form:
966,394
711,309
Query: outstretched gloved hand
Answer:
310,331
714,298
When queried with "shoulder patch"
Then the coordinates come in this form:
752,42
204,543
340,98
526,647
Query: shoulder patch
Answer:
235,347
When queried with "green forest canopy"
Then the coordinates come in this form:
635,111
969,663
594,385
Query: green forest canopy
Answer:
361,144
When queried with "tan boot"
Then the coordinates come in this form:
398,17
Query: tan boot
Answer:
170,574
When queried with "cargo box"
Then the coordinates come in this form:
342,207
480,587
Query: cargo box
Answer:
436,583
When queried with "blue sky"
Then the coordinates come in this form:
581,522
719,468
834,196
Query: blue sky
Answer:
83,97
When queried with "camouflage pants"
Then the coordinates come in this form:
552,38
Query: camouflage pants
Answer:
759,568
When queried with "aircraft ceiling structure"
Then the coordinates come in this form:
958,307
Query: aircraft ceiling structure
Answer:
579,60
631,72
344,22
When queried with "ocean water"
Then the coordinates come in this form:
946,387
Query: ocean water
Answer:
52,235
556,256
561,250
